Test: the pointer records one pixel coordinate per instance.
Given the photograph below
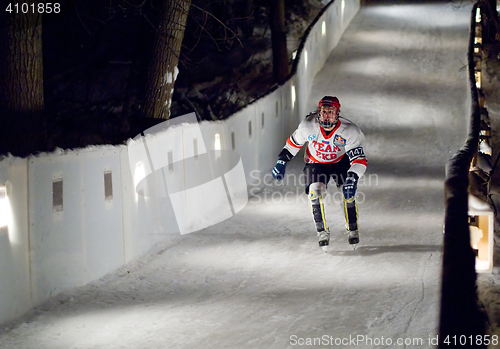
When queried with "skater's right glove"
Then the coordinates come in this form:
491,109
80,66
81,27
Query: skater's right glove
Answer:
279,170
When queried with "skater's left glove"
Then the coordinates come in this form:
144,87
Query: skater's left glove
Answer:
350,186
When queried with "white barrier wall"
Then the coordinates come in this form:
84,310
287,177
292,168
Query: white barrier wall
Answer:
75,216
82,240
146,220
15,287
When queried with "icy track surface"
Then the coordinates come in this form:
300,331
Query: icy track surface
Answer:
259,280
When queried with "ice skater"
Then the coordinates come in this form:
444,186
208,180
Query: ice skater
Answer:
330,137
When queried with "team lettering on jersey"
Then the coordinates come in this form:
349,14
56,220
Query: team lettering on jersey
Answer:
324,150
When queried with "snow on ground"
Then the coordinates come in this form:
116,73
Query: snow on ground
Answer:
259,280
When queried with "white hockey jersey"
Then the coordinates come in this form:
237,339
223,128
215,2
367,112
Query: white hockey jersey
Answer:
346,138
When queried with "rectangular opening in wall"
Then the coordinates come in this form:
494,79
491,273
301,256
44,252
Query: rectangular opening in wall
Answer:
170,158
57,194
262,117
217,146
250,129
195,147
217,142
108,185
4,207
233,142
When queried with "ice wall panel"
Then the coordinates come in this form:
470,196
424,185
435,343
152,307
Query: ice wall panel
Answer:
15,298
269,131
102,218
146,220
57,240
242,125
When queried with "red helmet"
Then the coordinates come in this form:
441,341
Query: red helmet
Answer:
328,101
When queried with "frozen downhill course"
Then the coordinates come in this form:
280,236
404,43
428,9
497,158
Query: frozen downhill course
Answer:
259,280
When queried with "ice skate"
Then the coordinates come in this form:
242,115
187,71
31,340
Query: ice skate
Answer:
324,239
353,238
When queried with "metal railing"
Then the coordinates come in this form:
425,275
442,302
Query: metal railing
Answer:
461,320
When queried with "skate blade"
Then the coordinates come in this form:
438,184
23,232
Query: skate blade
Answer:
354,246
325,248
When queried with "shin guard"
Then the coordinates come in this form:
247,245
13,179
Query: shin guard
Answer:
351,214
317,208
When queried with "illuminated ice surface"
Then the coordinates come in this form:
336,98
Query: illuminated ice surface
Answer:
259,280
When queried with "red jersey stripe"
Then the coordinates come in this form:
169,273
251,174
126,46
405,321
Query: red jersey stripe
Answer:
290,142
360,161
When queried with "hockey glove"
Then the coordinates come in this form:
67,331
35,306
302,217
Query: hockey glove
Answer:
350,186
279,170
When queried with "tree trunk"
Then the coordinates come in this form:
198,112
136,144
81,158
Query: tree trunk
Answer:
163,68
278,38
21,81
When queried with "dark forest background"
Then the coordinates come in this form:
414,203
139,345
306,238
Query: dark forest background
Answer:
96,54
